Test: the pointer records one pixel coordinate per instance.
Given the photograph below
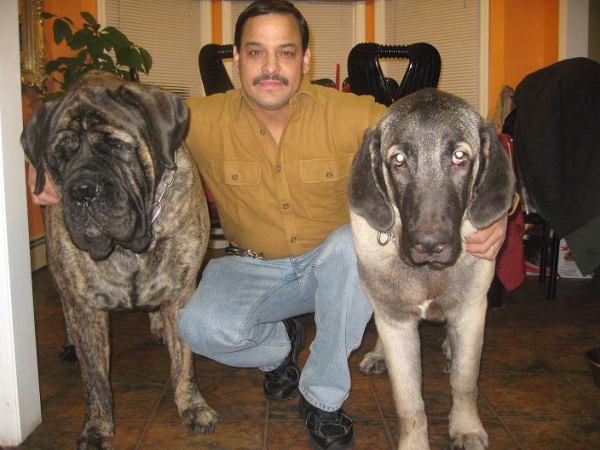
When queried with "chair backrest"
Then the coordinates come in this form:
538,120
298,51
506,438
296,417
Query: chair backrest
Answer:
212,71
366,77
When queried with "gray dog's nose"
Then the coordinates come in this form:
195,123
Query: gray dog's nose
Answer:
84,192
429,245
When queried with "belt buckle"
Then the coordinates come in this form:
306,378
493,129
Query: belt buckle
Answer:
243,252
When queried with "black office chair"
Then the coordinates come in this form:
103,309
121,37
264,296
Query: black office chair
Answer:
366,77
212,71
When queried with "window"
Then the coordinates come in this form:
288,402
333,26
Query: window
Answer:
171,32
335,27
453,27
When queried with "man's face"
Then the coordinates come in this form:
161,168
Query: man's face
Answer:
270,61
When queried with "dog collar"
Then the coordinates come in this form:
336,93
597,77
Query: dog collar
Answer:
384,239
166,181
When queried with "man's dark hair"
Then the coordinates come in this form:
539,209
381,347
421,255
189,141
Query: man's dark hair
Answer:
262,7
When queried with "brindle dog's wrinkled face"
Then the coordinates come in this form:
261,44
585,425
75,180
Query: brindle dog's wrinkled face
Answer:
104,146
434,162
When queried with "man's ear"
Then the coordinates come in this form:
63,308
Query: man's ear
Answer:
306,61
236,59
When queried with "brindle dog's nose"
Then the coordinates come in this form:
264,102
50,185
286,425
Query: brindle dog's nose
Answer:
84,192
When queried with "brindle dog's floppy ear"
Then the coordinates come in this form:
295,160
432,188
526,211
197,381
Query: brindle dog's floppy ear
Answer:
367,191
166,114
32,141
495,182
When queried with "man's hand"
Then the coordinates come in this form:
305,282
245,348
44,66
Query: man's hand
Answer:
48,196
486,242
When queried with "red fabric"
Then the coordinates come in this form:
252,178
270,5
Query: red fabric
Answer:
510,264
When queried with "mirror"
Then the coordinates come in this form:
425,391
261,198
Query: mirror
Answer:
31,35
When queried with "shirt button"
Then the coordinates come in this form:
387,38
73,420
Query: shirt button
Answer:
279,168
263,132
286,206
293,239
235,177
329,175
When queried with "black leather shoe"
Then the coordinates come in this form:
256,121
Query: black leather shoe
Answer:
327,430
282,383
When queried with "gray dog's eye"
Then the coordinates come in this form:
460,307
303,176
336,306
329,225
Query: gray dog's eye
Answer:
399,160
458,157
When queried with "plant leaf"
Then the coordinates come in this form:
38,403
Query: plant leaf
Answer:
118,39
81,38
62,31
146,60
90,19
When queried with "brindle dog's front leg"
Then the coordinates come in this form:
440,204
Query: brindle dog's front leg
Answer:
89,330
465,335
197,416
402,346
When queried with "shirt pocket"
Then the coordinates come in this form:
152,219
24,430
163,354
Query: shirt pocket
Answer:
325,185
241,185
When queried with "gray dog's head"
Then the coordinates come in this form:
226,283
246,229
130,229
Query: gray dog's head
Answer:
435,162
104,146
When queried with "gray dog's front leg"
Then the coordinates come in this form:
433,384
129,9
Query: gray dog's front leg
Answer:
465,334
402,345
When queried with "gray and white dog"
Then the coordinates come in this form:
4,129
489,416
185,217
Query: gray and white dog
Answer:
427,175
130,231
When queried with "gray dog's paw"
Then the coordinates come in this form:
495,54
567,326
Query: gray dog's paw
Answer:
200,419
470,441
372,365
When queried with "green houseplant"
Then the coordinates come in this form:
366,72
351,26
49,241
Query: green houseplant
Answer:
97,48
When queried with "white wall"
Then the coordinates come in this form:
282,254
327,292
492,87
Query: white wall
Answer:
20,410
573,29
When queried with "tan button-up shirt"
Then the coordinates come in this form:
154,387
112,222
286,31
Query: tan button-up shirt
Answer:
281,199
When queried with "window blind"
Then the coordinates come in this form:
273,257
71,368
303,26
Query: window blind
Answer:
452,27
170,31
332,34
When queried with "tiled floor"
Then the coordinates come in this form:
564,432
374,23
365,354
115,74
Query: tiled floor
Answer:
536,391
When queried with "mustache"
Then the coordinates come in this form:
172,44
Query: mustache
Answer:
273,77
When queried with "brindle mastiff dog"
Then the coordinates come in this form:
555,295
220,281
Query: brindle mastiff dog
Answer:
429,174
130,231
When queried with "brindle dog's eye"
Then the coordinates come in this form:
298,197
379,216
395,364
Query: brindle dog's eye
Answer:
458,157
67,146
399,160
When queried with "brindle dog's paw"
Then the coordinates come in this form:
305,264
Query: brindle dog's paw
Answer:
372,364
68,354
470,441
94,441
200,420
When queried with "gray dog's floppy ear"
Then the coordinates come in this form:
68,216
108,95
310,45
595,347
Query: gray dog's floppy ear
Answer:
32,141
163,108
495,183
367,191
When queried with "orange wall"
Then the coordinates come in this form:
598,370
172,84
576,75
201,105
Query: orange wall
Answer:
523,39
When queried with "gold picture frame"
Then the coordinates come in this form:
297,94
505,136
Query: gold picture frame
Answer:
31,31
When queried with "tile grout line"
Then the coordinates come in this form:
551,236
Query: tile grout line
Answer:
265,438
152,416
386,428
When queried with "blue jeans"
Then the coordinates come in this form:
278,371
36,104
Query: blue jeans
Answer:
235,315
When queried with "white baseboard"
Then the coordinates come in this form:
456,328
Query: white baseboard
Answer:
37,252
